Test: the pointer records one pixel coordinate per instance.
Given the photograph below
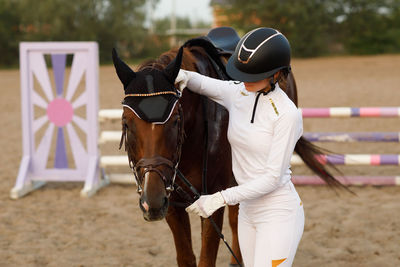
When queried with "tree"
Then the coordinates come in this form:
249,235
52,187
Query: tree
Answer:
303,22
370,27
316,27
112,23
9,33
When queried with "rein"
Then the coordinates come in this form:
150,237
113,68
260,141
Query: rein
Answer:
216,228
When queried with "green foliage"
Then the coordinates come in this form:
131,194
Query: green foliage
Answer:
163,25
112,23
313,27
318,27
371,27
9,33
303,22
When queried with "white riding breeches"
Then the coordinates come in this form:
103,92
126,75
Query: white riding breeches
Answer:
270,228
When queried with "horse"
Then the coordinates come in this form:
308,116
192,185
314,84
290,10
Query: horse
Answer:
166,131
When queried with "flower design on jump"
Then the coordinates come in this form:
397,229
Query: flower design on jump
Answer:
59,114
59,109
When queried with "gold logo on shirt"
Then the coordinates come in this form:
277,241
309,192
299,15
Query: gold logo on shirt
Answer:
273,105
243,93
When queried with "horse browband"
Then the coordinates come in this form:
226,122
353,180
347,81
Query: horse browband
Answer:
155,94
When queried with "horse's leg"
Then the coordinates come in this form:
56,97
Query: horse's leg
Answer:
179,223
233,222
210,239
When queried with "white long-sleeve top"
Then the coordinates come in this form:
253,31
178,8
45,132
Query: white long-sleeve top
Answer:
261,151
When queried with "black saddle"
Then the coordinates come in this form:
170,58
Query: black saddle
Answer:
218,42
224,39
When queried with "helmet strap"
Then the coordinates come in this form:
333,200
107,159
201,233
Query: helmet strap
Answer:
263,92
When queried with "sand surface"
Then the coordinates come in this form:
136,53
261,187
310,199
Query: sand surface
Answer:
55,227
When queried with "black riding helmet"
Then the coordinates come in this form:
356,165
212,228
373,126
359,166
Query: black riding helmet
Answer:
259,54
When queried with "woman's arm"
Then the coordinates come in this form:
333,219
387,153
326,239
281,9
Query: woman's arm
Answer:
217,90
287,131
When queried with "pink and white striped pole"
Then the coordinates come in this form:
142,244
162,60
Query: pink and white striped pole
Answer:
337,112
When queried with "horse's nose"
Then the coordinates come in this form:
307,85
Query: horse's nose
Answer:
150,213
158,202
145,205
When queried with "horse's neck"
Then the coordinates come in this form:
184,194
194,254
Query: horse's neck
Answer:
195,106
192,111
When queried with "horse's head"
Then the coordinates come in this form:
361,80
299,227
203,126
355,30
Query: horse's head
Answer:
152,128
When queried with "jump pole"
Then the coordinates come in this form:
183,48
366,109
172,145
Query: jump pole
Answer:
345,159
332,112
347,112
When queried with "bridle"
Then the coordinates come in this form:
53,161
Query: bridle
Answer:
152,164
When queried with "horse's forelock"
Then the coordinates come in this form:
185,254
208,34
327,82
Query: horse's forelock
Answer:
162,61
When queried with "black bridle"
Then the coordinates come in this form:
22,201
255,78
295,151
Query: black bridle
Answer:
152,164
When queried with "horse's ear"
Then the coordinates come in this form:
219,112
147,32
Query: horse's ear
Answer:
125,74
171,71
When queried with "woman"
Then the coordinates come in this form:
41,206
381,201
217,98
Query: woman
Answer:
264,126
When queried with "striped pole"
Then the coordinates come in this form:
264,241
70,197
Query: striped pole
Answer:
354,159
349,180
110,114
347,159
346,112
353,137
333,112
115,136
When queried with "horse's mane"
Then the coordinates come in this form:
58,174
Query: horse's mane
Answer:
188,59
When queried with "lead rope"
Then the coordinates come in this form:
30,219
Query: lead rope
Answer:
216,228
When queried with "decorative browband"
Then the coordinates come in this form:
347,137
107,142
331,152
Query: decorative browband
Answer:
155,94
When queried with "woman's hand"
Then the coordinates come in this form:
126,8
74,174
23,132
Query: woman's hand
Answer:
182,79
207,205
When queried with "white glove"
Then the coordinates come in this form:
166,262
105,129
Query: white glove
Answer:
182,79
207,204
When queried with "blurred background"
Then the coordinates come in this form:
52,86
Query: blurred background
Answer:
314,27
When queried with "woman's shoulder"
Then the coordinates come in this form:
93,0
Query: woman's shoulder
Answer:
234,88
236,84
285,105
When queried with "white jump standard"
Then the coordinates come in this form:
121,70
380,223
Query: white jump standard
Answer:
59,113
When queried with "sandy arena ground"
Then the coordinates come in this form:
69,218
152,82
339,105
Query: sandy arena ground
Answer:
55,227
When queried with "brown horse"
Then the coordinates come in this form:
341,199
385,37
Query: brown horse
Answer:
164,131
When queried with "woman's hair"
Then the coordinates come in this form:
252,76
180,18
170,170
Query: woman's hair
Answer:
282,79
